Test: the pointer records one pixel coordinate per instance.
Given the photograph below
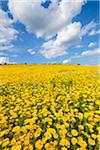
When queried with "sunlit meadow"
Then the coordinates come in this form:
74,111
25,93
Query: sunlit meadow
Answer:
49,107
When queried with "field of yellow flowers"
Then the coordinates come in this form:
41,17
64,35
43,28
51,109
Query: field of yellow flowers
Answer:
49,107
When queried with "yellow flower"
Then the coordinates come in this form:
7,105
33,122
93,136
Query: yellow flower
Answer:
91,130
39,144
80,115
55,143
97,102
64,148
82,148
0,141
47,135
51,130
26,148
81,142
91,141
98,137
98,128
26,142
13,141
84,144
2,133
80,138
5,142
74,141
55,135
48,146
16,147
30,147
64,131
64,142
44,140
81,127
86,114
47,119
74,132
16,129
94,136
37,133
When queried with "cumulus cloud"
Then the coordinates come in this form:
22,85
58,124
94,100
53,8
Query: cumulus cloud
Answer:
88,27
4,60
66,61
51,21
91,52
67,37
70,35
94,32
87,53
78,46
31,51
42,21
6,45
7,32
92,44
56,20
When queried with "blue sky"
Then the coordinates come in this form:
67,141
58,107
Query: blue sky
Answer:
49,31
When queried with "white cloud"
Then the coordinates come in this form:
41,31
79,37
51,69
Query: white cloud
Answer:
7,32
87,53
66,61
31,51
94,32
4,60
5,45
91,52
42,21
56,20
88,27
67,37
92,44
78,46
